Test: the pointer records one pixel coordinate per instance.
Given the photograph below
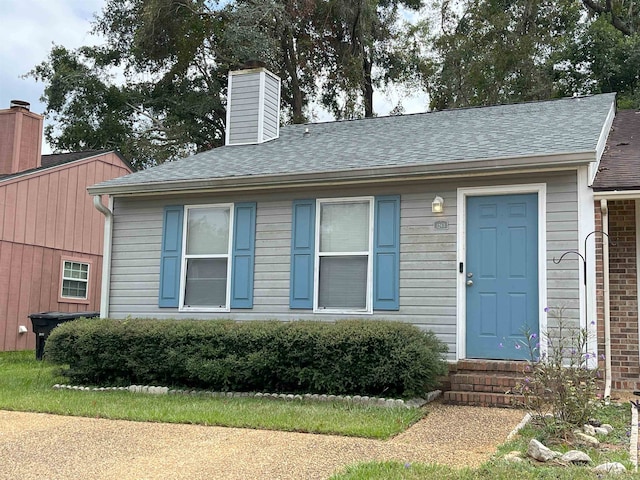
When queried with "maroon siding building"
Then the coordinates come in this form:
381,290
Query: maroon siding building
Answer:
51,236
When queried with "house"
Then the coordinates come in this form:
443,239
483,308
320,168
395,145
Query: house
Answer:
448,220
617,195
51,236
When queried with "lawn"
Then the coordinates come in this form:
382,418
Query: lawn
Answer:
26,385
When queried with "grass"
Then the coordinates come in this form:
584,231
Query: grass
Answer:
26,385
616,449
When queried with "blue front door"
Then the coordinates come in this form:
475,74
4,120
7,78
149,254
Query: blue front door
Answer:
501,275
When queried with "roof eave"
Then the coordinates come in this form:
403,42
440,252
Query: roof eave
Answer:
377,175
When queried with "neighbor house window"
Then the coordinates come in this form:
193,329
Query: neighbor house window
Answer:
343,255
75,280
206,257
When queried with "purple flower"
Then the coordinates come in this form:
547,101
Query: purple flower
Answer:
500,345
602,357
537,344
527,379
518,346
573,351
593,322
533,336
407,465
546,309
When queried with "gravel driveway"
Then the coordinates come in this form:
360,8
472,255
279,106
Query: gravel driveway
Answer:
41,446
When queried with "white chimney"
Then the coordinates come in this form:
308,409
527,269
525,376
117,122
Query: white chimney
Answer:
253,106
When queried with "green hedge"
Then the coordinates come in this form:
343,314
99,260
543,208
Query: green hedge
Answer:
366,357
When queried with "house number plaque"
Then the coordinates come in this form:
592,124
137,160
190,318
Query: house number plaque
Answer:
441,225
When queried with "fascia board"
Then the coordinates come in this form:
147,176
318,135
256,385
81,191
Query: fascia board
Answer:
373,175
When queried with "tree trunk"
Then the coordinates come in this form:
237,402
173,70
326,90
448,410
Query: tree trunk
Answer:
291,65
367,85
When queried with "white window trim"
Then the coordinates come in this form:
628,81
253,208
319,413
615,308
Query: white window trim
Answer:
316,269
183,268
65,299
461,298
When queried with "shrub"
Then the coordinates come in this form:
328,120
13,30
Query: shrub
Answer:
560,386
366,357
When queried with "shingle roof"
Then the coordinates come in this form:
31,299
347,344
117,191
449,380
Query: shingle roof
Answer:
474,134
620,164
55,159
59,158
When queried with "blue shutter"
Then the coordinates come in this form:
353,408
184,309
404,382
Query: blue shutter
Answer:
244,243
386,253
302,254
171,256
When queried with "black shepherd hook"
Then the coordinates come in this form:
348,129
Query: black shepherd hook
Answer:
584,261
583,257
584,266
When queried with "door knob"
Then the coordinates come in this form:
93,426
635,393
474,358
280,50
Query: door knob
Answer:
469,283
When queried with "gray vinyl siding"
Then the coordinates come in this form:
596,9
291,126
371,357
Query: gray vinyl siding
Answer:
271,107
244,108
428,257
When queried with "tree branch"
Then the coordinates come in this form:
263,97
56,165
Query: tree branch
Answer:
616,21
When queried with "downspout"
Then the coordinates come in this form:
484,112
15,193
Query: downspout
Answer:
106,252
607,308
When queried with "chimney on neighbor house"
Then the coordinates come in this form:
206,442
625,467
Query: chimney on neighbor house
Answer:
253,105
20,138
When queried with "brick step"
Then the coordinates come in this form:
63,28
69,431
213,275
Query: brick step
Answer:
481,382
483,399
503,366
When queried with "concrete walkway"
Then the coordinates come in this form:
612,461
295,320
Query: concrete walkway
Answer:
40,446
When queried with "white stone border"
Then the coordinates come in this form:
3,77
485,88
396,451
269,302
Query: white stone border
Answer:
361,399
526,419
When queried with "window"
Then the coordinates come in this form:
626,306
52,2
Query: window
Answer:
206,260
344,255
75,280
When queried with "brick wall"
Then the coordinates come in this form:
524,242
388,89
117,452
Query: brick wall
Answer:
625,360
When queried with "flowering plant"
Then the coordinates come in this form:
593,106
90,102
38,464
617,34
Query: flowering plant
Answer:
559,386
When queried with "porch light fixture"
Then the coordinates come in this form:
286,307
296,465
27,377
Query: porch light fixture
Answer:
437,206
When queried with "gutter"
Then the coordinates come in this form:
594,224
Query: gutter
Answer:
607,307
106,252
369,175
617,195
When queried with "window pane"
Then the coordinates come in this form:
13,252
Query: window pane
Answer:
206,284
344,227
343,283
75,270
74,289
208,231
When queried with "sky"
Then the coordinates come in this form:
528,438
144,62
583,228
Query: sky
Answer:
29,28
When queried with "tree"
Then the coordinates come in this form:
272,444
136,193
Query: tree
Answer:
603,60
365,46
624,15
500,51
156,89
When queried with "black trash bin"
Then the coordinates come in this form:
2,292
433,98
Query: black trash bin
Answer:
44,322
